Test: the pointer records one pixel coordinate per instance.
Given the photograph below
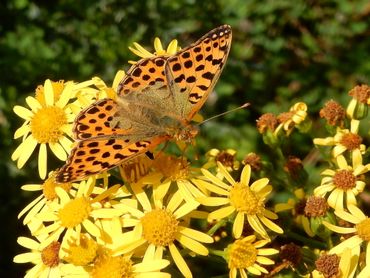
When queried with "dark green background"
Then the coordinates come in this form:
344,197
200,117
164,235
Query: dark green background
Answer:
283,51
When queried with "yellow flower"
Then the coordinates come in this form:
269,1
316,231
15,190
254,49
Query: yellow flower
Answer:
344,140
71,214
246,255
342,185
227,158
241,198
47,122
359,236
46,260
288,120
297,206
161,226
140,51
332,265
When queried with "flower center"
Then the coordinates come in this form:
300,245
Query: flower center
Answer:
50,254
316,206
74,212
245,200
344,179
48,188
83,253
159,227
328,265
363,229
266,122
351,141
46,124
107,266
226,159
242,254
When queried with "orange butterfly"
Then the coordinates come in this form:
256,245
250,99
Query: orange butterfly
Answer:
156,102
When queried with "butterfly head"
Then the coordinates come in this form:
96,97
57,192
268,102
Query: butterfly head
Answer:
186,134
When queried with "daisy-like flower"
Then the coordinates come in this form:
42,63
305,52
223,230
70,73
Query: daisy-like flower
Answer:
160,227
48,122
240,198
246,255
226,157
359,236
344,140
140,51
297,206
332,265
46,260
342,185
288,120
71,214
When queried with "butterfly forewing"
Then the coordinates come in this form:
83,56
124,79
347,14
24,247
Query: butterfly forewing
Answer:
157,96
143,75
96,120
193,72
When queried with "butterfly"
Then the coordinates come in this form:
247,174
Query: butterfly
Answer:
156,102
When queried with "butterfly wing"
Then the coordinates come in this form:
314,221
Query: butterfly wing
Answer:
193,72
143,75
98,154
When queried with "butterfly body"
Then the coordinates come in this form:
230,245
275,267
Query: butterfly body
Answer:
156,102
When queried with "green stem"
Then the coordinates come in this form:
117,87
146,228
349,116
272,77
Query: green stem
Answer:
306,240
218,225
218,253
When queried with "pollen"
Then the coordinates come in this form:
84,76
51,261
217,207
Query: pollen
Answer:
363,229
48,187
333,113
351,141
50,254
107,266
82,253
243,199
241,254
266,122
159,227
361,93
344,179
46,125
172,167
74,212
316,206
328,265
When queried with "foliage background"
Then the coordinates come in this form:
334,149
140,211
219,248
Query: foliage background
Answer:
283,52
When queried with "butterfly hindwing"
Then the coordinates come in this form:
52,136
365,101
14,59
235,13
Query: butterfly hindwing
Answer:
93,156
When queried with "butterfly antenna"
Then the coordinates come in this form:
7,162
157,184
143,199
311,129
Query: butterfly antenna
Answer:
225,113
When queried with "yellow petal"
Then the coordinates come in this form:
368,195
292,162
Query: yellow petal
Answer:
179,261
23,112
28,146
42,161
192,245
